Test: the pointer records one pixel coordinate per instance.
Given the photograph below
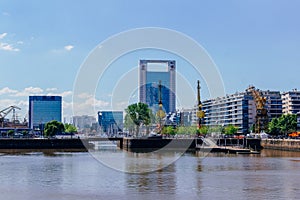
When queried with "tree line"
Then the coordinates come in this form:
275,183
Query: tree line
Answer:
140,114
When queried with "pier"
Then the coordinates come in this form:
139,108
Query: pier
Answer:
282,144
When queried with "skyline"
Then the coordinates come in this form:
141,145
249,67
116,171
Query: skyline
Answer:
43,44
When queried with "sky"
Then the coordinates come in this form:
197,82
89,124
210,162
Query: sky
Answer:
44,43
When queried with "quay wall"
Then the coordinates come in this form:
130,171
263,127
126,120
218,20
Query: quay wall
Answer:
132,143
20,143
281,144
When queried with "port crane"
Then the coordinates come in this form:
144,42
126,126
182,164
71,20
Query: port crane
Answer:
6,111
261,118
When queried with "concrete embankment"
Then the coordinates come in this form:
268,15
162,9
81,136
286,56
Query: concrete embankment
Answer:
281,144
131,143
43,143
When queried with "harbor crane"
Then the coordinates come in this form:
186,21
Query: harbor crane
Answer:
261,118
6,111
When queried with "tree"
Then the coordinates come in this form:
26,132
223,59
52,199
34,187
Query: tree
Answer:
203,130
168,130
285,124
128,123
10,132
70,128
230,129
53,127
273,127
139,113
187,130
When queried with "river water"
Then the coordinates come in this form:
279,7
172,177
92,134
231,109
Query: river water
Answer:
62,175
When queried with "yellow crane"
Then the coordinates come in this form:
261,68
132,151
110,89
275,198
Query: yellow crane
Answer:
261,118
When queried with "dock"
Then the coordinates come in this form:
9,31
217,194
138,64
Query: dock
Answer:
226,149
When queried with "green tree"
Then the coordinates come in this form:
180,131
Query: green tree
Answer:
10,132
70,128
181,130
231,129
128,123
285,124
288,123
274,127
53,127
139,113
168,130
203,130
187,130
25,133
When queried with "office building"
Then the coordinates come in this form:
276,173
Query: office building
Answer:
43,109
151,72
291,102
110,122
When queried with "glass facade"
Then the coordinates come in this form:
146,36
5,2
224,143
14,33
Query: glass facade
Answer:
149,82
110,121
43,109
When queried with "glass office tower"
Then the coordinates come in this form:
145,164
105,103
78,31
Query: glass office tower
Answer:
43,109
110,121
151,72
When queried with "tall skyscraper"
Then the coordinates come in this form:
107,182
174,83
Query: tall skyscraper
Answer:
151,72
43,109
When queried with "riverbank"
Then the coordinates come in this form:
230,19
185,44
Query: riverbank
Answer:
281,144
53,143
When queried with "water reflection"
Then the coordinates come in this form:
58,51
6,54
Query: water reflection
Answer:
160,182
217,176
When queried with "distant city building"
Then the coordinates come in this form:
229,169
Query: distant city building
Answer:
150,73
84,121
291,102
43,109
173,119
188,117
110,122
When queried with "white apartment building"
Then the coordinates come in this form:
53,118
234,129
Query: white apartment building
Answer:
291,102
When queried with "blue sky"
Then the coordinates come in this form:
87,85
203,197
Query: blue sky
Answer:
43,43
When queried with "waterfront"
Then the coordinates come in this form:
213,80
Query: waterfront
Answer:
62,175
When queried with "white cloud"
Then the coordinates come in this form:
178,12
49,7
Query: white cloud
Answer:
33,90
86,104
84,95
7,90
63,94
69,47
7,47
2,35
51,89
29,91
